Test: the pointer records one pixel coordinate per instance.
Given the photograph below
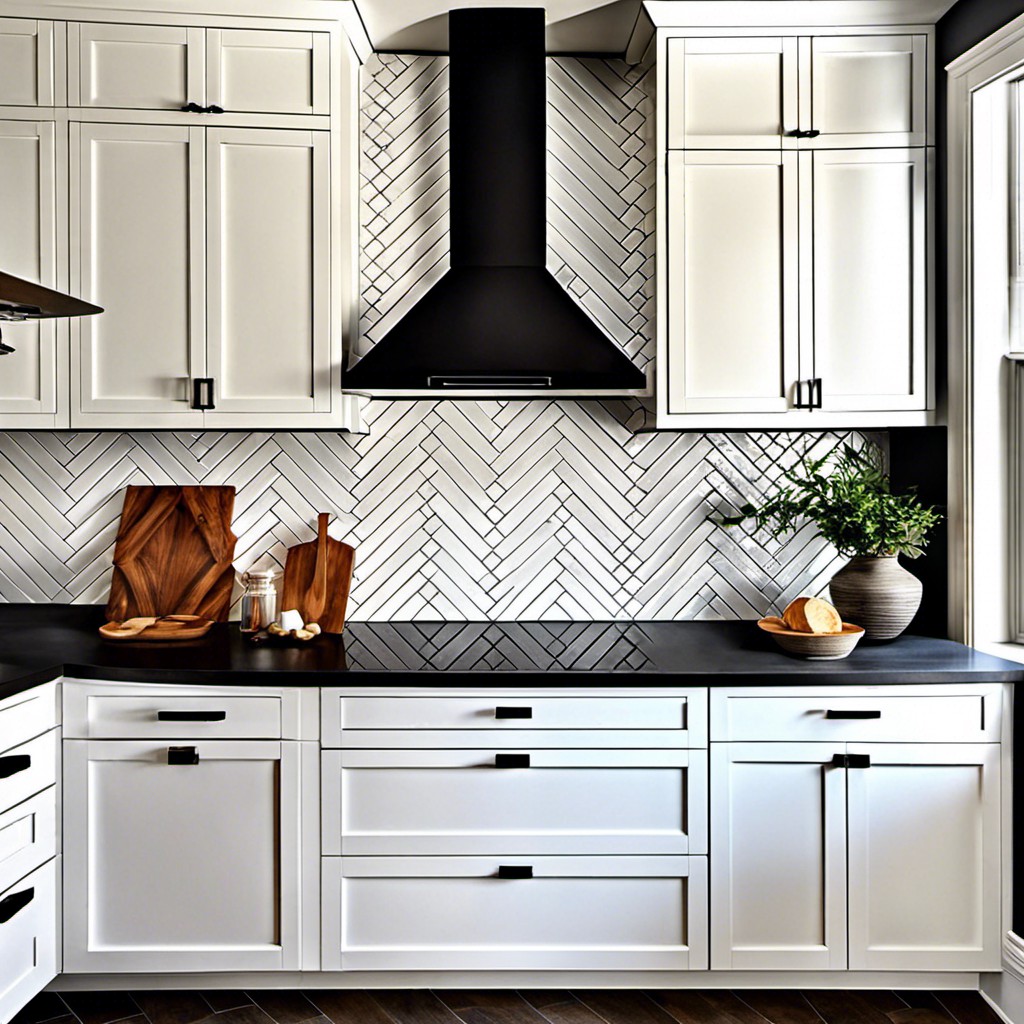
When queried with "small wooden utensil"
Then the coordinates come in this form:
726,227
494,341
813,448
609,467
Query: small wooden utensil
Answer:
317,579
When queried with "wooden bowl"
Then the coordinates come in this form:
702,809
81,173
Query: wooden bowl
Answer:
813,646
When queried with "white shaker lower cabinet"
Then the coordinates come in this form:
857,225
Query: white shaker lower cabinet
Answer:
836,854
29,846
778,849
181,856
536,913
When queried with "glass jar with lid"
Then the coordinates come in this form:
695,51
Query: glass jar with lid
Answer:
259,601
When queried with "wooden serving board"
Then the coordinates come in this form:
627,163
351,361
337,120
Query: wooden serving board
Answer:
317,579
173,553
148,628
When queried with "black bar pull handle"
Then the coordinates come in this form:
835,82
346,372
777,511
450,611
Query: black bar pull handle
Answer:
202,393
506,712
191,716
851,761
193,108
14,763
511,760
213,109
10,905
833,713
182,755
515,871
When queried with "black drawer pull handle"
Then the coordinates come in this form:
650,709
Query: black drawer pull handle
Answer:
511,760
515,871
191,716
10,905
193,108
502,712
851,760
182,755
14,763
853,714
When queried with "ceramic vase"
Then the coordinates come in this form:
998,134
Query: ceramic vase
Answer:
876,592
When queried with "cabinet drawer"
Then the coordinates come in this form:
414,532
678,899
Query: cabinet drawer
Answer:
26,63
485,801
111,711
462,913
27,714
882,714
520,720
27,768
28,938
28,836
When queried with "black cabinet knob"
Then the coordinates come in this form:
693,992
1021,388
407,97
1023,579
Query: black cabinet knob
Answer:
515,871
182,755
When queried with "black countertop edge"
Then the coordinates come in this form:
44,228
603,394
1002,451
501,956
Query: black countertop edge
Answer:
39,643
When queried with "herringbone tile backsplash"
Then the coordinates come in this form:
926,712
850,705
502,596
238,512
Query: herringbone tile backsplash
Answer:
459,510
480,511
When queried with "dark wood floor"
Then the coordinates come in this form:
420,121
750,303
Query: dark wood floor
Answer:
505,1007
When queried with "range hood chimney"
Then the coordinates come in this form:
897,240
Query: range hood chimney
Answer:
497,319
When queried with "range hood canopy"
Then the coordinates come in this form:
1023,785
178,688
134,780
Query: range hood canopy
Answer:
23,300
497,319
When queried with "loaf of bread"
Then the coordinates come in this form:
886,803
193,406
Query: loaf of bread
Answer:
812,615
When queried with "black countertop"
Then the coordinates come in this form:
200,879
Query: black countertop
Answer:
40,642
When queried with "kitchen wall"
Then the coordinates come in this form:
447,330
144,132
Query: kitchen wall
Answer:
479,510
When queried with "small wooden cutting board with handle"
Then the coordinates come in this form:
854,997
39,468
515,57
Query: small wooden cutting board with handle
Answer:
317,579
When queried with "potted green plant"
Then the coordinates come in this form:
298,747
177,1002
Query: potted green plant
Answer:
847,494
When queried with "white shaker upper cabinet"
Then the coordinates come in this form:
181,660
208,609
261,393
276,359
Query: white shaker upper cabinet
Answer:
137,250
139,67
33,383
731,93
26,63
732,278
866,91
267,235
869,274
268,72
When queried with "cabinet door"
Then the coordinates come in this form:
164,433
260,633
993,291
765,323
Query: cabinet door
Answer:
732,281
181,867
33,384
866,91
869,275
778,857
267,232
137,250
735,93
924,858
268,72
26,63
139,67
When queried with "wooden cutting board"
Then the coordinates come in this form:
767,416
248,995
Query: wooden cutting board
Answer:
317,579
173,553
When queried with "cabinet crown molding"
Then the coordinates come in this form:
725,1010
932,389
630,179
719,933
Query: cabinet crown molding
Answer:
808,13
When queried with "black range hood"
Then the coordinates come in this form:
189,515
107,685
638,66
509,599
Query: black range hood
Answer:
497,319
